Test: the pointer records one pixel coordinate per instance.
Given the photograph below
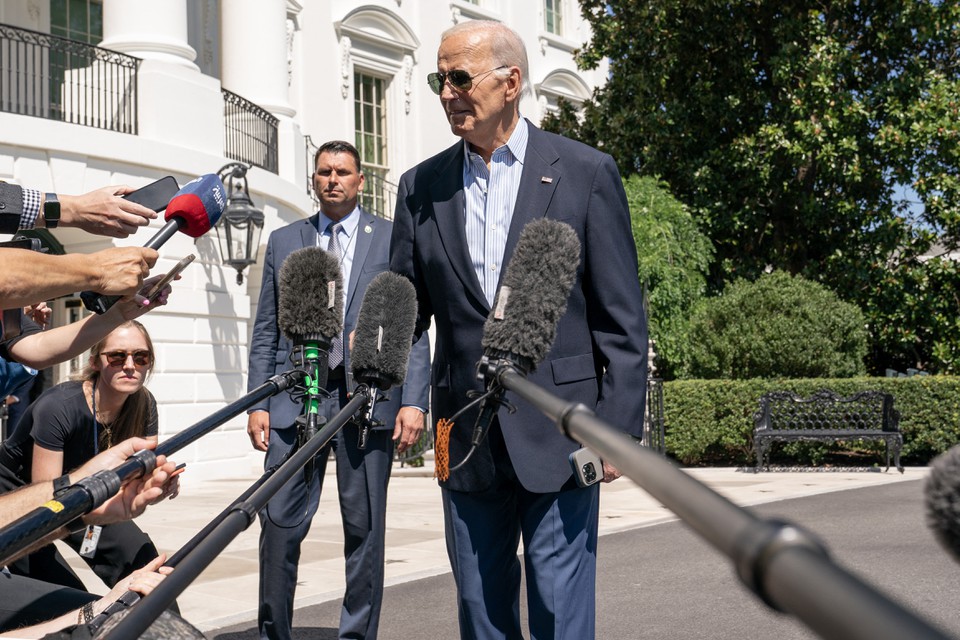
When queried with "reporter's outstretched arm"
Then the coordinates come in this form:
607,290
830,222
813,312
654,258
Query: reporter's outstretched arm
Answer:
27,276
104,212
143,581
132,499
45,348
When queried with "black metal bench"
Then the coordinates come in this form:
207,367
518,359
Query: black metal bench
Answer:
867,415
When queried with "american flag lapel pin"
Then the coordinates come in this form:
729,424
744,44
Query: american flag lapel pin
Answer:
546,180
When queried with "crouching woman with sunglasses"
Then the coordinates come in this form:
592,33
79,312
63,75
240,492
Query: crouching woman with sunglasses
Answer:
70,423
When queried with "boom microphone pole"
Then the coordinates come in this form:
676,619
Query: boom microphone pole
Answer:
785,566
89,493
240,517
130,598
382,342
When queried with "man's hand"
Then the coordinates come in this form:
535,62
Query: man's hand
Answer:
258,428
121,270
143,580
39,313
134,495
105,212
407,428
112,457
610,472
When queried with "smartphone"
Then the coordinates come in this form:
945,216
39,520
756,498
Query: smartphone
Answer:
155,290
156,195
587,467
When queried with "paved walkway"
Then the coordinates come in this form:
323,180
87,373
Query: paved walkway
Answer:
226,592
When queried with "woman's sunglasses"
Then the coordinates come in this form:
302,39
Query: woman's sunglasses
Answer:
458,78
119,358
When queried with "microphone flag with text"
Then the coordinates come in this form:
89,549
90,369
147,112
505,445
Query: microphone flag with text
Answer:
382,339
310,314
522,324
942,498
193,211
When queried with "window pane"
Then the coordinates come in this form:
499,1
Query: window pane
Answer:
553,16
58,14
78,16
80,20
96,23
371,139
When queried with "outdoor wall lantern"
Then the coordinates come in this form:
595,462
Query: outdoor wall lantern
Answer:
239,228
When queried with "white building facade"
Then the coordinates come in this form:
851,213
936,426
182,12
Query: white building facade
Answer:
317,69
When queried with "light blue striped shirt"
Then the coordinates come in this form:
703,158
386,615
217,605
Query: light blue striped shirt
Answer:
490,196
348,241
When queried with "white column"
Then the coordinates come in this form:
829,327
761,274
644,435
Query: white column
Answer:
148,29
254,53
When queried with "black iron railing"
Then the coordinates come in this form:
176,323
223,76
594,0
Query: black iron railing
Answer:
379,195
51,77
653,429
250,132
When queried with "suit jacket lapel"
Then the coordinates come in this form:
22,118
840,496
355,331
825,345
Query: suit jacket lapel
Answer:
537,186
308,231
360,251
449,214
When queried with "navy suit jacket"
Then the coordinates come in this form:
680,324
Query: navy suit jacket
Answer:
599,357
270,349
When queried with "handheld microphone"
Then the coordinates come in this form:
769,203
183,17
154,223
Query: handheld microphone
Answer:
196,207
310,314
532,298
383,338
942,497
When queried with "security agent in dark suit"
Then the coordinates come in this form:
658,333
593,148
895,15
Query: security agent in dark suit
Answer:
458,217
362,474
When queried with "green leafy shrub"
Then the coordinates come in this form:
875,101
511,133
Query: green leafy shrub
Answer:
779,326
674,257
710,422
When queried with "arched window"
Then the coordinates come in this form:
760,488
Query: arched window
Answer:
561,84
377,56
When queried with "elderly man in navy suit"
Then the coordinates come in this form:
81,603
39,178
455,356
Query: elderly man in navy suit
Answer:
361,243
458,218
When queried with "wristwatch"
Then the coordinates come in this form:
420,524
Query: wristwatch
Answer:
61,485
51,210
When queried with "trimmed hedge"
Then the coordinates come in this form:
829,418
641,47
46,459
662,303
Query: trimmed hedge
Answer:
710,422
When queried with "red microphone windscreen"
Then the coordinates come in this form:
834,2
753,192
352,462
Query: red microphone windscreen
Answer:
198,204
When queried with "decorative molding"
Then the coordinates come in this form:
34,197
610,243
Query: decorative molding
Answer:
543,45
455,14
543,106
345,46
407,81
291,32
33,10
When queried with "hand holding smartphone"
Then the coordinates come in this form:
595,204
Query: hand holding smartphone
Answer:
587,467
154,292
155,195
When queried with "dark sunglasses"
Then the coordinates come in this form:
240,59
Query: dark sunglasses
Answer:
459,79
119,358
